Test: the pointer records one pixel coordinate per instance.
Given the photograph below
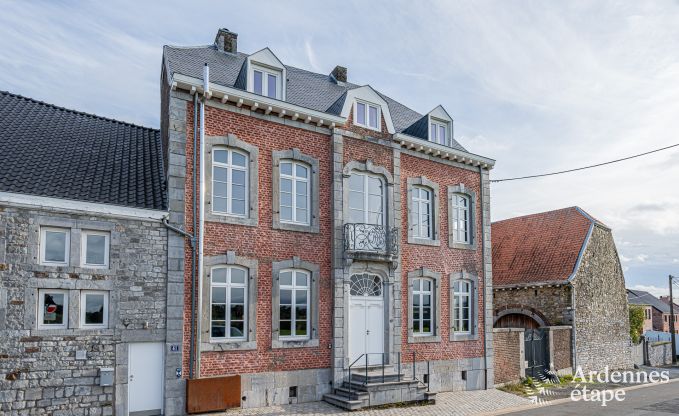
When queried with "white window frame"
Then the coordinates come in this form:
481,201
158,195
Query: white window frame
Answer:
83,310
434,134
457,311
367,115
459,214
293,315
230,167
420,203
366,196
41,309
265,80
421,293
227,313
294,178
83,249
43,245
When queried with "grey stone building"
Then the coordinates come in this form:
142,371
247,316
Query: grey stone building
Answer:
562,268
88,319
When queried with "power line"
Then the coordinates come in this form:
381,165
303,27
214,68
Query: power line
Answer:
585,167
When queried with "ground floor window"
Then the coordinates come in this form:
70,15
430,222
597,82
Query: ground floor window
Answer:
228,312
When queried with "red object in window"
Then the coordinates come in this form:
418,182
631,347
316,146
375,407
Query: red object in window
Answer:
51,308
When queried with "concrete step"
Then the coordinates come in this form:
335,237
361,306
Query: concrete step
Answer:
353,394
343,402
376,377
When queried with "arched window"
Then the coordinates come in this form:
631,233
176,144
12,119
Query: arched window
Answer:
461,219
366,199
421,220
294,287
229,182
295,195
228,302
423,296
462,306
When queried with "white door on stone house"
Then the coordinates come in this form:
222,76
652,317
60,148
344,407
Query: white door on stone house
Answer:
366,319
145,378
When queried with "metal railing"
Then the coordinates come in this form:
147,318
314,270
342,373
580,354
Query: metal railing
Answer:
371,238
382,364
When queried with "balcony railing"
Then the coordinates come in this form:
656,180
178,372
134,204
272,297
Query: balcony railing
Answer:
371,239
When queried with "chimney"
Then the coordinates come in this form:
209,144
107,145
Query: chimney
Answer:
226,40
339,73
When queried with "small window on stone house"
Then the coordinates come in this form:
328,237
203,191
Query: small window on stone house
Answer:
52,309
54,246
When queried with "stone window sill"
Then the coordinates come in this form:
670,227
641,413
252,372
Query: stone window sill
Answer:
292,343
286,226
416,339
229,346
424,241
462,246
72,332
463,337
230,219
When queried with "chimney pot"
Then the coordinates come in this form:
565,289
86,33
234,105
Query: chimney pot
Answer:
339,73
226,41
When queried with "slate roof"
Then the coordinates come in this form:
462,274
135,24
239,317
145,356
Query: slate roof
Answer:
307,89
639,297
55,152
539,248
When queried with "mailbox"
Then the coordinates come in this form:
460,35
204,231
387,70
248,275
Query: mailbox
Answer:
105,377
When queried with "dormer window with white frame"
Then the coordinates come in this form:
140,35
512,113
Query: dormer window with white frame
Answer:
266,82
439,132
367,115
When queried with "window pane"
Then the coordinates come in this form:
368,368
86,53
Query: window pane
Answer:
372,117
286,168
356,182
218,275
426,300
301,171
301,279
360,113
237,295
237,276
300,297
416,284
219,312
301,201
300,328
220,174
53,304
286,213
237,312
55,246
426,285
221,156
426,313
218,329
302,187
237,329
94,309
375,203
238,177
286,185
285,329
286,278
238,207
219,295
416,326
271,86
434,132
286,199
258,82
426,326
96,249
219,204
220,187
286,297
238,159
286,311
238,192
374,186
442,134
300,313
355,200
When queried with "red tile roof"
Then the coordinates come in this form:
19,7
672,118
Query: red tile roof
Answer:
538,248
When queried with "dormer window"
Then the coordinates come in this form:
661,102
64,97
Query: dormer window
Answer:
438,132
367,115
266,82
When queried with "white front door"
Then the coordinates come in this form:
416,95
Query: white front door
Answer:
145,378
366,319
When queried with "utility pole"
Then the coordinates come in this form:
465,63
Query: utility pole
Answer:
673,334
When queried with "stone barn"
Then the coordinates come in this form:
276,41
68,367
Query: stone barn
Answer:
562,268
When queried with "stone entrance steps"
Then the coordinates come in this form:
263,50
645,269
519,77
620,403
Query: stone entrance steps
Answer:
373,391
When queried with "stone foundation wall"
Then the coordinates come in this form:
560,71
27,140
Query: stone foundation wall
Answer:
449,375
274,388
659,353
509,355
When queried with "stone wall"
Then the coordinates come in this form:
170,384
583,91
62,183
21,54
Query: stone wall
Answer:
659,353
551,302
561,352
508,344
57,371
601,314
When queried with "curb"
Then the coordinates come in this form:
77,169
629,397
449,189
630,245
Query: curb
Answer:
566,400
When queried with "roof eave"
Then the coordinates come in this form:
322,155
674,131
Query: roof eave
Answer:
445,152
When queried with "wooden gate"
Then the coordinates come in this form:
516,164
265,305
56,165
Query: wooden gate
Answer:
536,351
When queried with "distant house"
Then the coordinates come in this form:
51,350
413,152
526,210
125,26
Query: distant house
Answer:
562,268
658,310
666,316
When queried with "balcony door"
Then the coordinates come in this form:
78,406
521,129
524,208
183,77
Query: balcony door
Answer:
366,199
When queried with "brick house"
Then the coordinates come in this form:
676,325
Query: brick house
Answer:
656,312
339,224
562,268
666,316
84,305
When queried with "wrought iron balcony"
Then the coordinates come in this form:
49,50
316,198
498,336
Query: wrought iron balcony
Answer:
371,240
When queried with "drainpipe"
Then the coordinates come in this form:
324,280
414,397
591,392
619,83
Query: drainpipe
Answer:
201,225
192,346
574,355
483,265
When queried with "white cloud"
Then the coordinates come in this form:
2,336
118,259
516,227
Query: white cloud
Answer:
653,290
642,258
624,259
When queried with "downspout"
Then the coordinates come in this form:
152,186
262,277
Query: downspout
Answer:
574,355
201,225
192,346
483,265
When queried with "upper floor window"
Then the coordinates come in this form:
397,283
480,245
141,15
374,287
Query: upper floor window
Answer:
421,212
422,306
266,82
229,182
295,198
294,304
461,223
228,303
438,132
462,295
54,246
95,249
367,115
366,199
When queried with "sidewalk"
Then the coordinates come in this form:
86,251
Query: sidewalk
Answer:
447,404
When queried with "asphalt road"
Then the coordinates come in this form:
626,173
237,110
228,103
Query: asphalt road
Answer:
662,399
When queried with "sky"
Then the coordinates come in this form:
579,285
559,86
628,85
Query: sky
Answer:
537,85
